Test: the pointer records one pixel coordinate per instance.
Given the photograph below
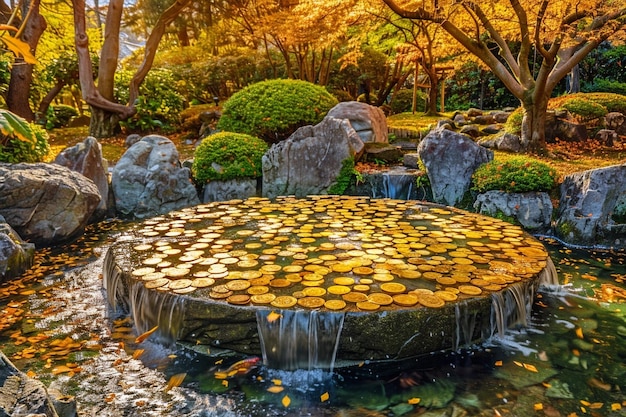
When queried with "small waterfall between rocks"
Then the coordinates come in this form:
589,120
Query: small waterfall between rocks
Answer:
296,339
397,186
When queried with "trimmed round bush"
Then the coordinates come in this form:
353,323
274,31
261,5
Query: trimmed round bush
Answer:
226,156
584,109
274,109
515,175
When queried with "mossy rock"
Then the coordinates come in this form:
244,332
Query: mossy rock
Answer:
515,175
226,156
274,109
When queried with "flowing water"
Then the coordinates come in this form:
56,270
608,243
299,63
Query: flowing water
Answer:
569,360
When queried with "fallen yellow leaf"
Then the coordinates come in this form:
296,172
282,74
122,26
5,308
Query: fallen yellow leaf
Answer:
275,389
277,382
273,316
414,400
286,401
175,381
616,406
538,407
324,397
145,335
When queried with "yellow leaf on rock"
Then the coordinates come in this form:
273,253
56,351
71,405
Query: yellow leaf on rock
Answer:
530,367
414,400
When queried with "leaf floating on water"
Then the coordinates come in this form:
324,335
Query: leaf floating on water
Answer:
225,383
175,381
286,401
137,353
579,333
145,335
324,397
273,316
275,389
221,375
414,400
531,368
498,363
277,382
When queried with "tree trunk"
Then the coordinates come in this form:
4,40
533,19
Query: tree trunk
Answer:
47,100
533,135
432,96
103,124
22,73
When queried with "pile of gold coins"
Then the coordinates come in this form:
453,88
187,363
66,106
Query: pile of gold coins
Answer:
333,253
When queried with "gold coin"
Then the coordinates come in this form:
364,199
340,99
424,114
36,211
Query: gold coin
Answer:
156,283
257,289
271,268
470,290
247,263
383,277
419,291
314,291
262,298
446,281
462,261
239,299
316,283
251,274
338,289
363,270
393,287
180,284
284,301
405,300
367,305
279,283
361,288
152,261
238,285
410,274
446,295
186,290
335,304
176,272
292,268
493,287
344,281
220,295
202,282
341,267
152,276
429,300
431,275
380,298
354,297
311,302
143,271
143,247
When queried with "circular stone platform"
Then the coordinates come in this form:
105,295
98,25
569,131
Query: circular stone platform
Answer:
406,277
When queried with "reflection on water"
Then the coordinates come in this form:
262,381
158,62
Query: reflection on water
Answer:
570,360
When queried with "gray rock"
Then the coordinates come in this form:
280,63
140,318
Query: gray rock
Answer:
446,124
616,121
557,127
21,395
411,160
532,210
508,142
148,180
588,201
470,130
235,189
86,158
369,122
132,139
310,160
607,137
484,119
390,154
491,129
500,116
46,203
450,159
16,256
474,112
459,119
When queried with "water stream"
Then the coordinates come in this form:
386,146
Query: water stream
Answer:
55,324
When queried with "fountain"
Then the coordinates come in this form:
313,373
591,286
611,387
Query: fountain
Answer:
308,283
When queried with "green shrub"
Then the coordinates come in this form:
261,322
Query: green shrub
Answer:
273,110
362,99
158,104
584,109
612,102
515,175
21,141
227,155
60,116
403,101
513,124
608,86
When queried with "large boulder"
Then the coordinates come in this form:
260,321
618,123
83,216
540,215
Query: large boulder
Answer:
309,162
86,158
450,159
46,203
16,256
616,121
532,210
587,207
369,122
559,127
149,180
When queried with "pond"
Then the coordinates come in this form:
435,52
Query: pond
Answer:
56,326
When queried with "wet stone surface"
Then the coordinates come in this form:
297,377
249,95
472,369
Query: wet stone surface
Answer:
418,266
